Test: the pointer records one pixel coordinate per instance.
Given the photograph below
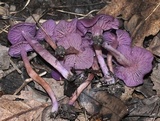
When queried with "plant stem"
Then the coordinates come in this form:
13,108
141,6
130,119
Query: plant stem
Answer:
46,55
39,80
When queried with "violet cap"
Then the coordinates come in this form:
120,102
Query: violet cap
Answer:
64,28
48,27
84,58
140,64
15,49
15,33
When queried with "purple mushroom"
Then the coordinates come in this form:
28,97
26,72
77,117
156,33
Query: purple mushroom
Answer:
15,34
20,49
46,55
133,62
46,32
117,41
64,28
97,26
83,59
123,38
112,40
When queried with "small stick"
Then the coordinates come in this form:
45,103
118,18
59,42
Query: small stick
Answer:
15,66
5,73
26,82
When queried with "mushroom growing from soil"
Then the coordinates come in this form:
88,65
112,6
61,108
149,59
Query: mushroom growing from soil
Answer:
83,59
133,62
112,40
20,49
46,55
117,41
97,26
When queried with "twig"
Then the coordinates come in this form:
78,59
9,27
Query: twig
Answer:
5,73
15,66
26,82
27,3
78,14
4,29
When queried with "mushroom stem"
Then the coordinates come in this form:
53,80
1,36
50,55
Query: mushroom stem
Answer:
46,55
103,66
109,62
50,41
119,56
39,80
80,89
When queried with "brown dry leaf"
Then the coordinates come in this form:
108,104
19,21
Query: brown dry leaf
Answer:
127,94
12,110
154,46
142,15
155,77
103,104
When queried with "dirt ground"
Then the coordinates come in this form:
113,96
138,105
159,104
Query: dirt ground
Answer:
22,99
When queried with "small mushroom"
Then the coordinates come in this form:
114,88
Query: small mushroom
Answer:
112,40
140,64
133,62
97,26
20,49
46,55
117,41
15,35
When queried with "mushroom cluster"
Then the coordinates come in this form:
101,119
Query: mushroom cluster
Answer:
80,45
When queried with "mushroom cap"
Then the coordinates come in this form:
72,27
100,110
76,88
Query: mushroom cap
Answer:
110,38
97,24
82,60
64,28
15,49
49,27
15,35
123,37
84,24
140,64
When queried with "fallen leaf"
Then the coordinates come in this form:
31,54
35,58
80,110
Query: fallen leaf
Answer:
154,46
155,76
12,110
141,15
103,104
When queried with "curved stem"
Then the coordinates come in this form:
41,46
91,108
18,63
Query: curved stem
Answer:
108,78
46,55
119,56
39,80
109,62
80,89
